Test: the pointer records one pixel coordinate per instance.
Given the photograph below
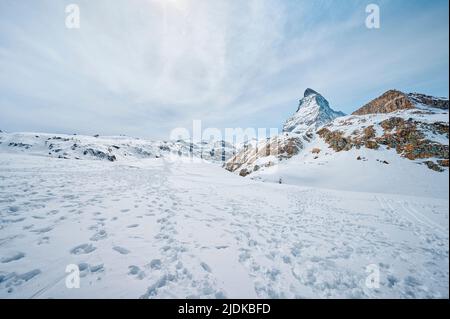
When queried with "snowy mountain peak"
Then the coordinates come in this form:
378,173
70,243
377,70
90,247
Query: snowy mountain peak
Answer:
309,92
313,112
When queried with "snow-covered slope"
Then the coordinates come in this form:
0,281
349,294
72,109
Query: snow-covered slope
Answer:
359,170
366,157
313,112
110,148
159,228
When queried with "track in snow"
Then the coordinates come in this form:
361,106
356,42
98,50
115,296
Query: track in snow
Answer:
164,229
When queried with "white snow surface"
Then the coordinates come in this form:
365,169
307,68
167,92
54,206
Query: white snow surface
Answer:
183,228
379,170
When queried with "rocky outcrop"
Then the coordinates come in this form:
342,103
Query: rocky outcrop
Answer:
309,92
409,140
26,146
407,137
390,101
432,165
99,154
394,100
264,154
336,139
436,102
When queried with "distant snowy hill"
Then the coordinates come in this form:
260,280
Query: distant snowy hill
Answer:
109,148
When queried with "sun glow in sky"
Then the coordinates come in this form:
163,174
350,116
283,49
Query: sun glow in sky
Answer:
178,4
144,67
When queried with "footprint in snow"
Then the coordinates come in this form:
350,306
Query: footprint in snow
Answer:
86,269
136,271
11,280
121,250
155,264
205,267
221,247
101,234
43,240
12,257
42,230
14,209
82,249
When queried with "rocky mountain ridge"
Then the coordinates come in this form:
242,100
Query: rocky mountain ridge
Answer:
413,125
394,100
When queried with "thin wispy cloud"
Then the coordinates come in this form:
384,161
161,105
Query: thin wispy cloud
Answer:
144,67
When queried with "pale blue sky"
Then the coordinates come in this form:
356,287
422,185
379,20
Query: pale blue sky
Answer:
144,67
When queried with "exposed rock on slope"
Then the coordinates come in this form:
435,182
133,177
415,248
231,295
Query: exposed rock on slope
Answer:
390,101
394,100
415,130
264,154
407,137
437,102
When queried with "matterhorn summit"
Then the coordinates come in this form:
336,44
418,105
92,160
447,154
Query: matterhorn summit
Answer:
313,112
